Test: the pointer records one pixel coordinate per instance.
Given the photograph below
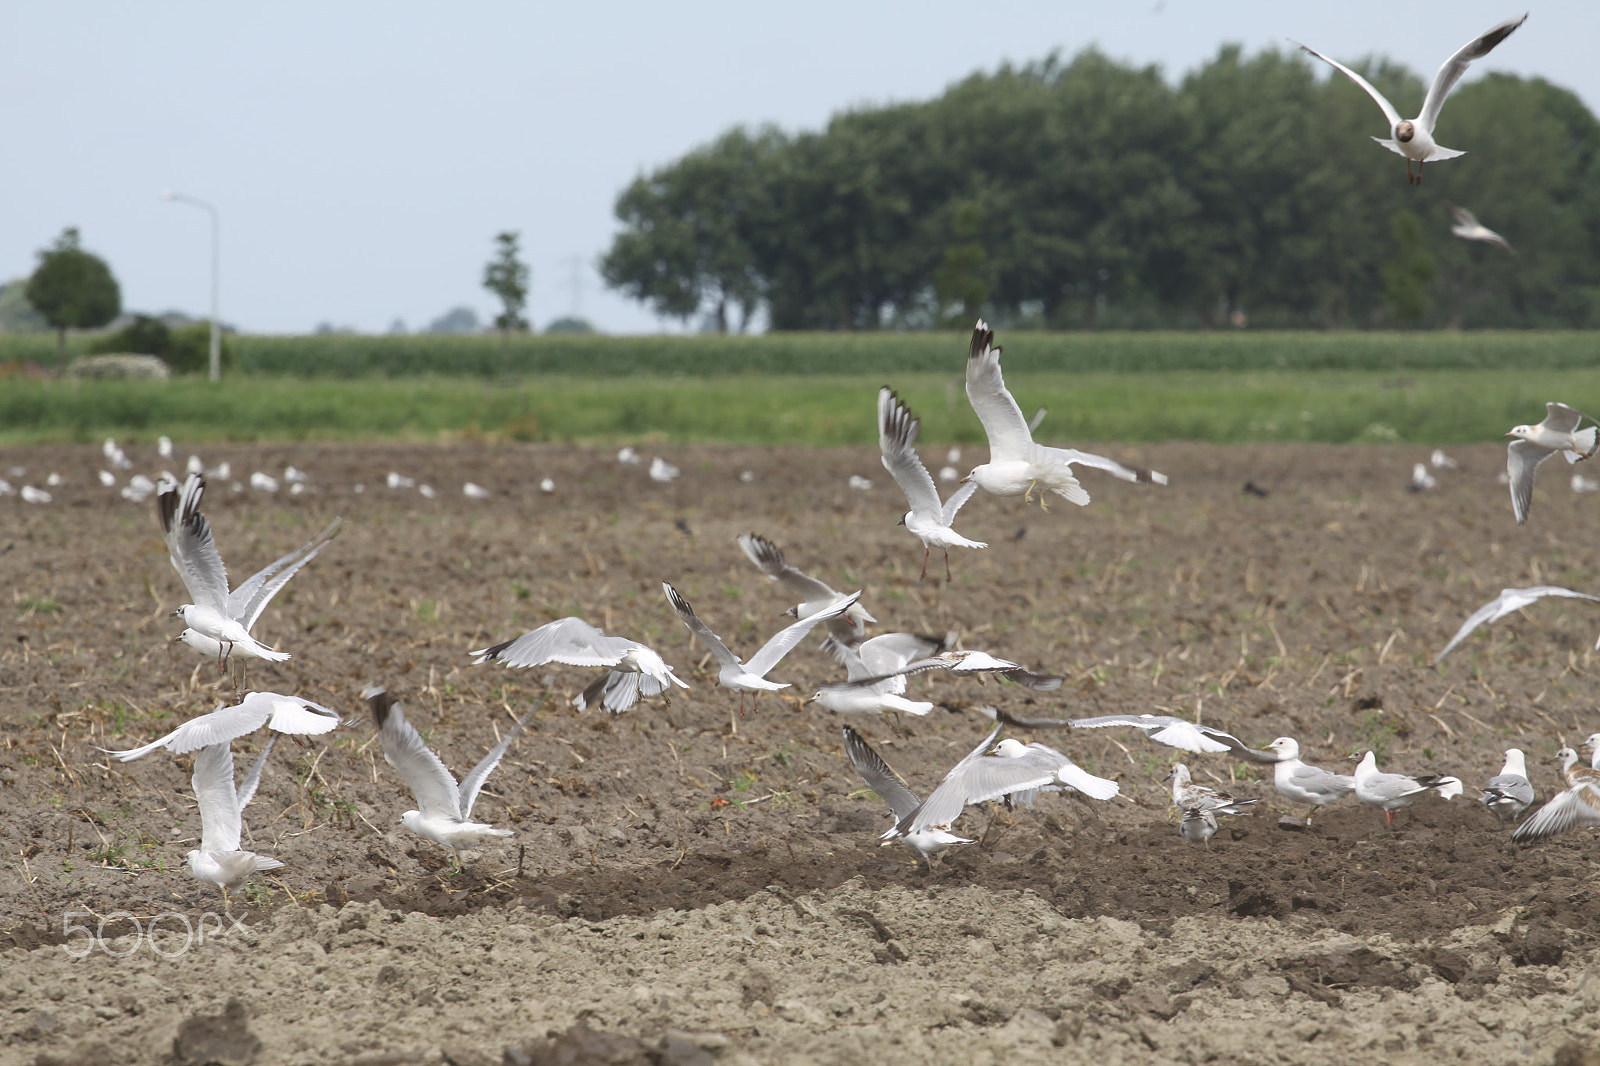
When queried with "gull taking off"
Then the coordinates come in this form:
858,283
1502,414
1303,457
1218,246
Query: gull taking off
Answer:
1017,466
1509,600
928,520
1509,792
218,860
284,714
1413,137
815,595
635,670
871,684
1576,808
1558,432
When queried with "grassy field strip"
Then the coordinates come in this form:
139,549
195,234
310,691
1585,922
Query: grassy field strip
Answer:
1434,407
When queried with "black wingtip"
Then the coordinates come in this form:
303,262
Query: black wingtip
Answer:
982,339
380,703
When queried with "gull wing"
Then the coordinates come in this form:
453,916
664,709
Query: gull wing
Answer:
1577,806
1509,600
773,651
472,784
1388,109
968,777
958,500
220,726
191,547
1463,217
1451,70
246,602
1009,436
879,775
566,640
1316,779
897,438
1099,462
1561,418
403,748
713,643
247,787
220,823
890,651
291,714
1522,460
768,558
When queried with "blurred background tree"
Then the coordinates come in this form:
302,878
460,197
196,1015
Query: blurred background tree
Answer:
508,278
73,289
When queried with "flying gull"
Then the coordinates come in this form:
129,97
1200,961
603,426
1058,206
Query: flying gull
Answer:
815,595
1575,808
1558,432
218,860
928,520
284,714
634,669
871,685
1509,600
1178,733
1468,228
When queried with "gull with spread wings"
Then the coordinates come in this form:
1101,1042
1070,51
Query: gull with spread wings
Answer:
928,520
218,860
815,594
634,669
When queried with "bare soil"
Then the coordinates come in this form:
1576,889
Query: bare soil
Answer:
680,892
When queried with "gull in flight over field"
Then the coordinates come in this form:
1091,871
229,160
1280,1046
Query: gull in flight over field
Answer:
218,860
744,677
446,807
1178,733
871,684
1509,792
1017,466
928,520
1413,137
1575,808
1509,600
1468,228
978,663
1558,432
1301,782
284,714
1391,792
634,669
219,621
815,595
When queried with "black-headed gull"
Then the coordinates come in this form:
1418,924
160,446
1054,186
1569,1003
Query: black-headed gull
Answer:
975,663
815,594
634,669
219,621
1468,228
283,714
1017,466
927,841
1509,792
1509,600
218,860
1558,432
445,810
1575,808
929,519
1391,792
1413,138
1300,782
871,685
1178,733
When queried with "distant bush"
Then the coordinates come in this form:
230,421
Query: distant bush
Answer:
190,350
145,335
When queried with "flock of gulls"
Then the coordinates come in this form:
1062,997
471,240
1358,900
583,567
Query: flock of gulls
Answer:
1001,770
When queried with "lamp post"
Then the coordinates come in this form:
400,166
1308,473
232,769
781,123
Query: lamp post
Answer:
216,275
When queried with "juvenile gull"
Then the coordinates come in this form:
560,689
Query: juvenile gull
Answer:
218,860
1301,782
1509,792
1558,432
1017,466
1187,796
445,807
284,714
815,595
1575,808
929,519
1179,733
1413,138
1509,600
1391,792
871,685
1198,825
634,669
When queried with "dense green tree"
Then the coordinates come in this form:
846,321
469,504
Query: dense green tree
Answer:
73,289
508,278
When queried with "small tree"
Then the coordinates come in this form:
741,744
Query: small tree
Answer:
73,289
508,278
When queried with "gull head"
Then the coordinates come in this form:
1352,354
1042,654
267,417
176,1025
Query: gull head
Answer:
1520,431
1592,741
1285,748
1009,748
1404,130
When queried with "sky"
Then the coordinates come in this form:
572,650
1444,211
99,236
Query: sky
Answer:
363,155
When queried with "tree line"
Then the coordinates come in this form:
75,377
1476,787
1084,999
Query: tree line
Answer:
1092,193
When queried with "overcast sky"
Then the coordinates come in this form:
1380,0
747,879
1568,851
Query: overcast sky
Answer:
363,154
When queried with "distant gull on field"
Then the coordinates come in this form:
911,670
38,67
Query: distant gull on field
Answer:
871,685
445,810
1509,792
1017,466
263,482
474,491
35,495
1584,484
859,483
928,520
949,473
661,470
164,446
815,594
427,492
284,714
54,480
1413,138
195,466
1178,733
396,480
294,476
218,860
1558,432
628,457
1576,808
1301,782
1468,228
1421,480
114,455
107,479
1441,461
547,485
1509,600
219,621
1391,792
633,669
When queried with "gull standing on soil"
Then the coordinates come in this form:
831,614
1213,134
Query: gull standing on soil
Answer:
1413,138
1468,228
928,520
1017,466
1509,792
1391,792
284,714
871,685
1187,796
815,595
1178,733
218,860
1509,600
446,808
1575,808
635,669
219,621
1558,432
1301,782
744,677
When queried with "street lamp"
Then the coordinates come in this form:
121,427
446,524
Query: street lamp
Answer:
216,274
